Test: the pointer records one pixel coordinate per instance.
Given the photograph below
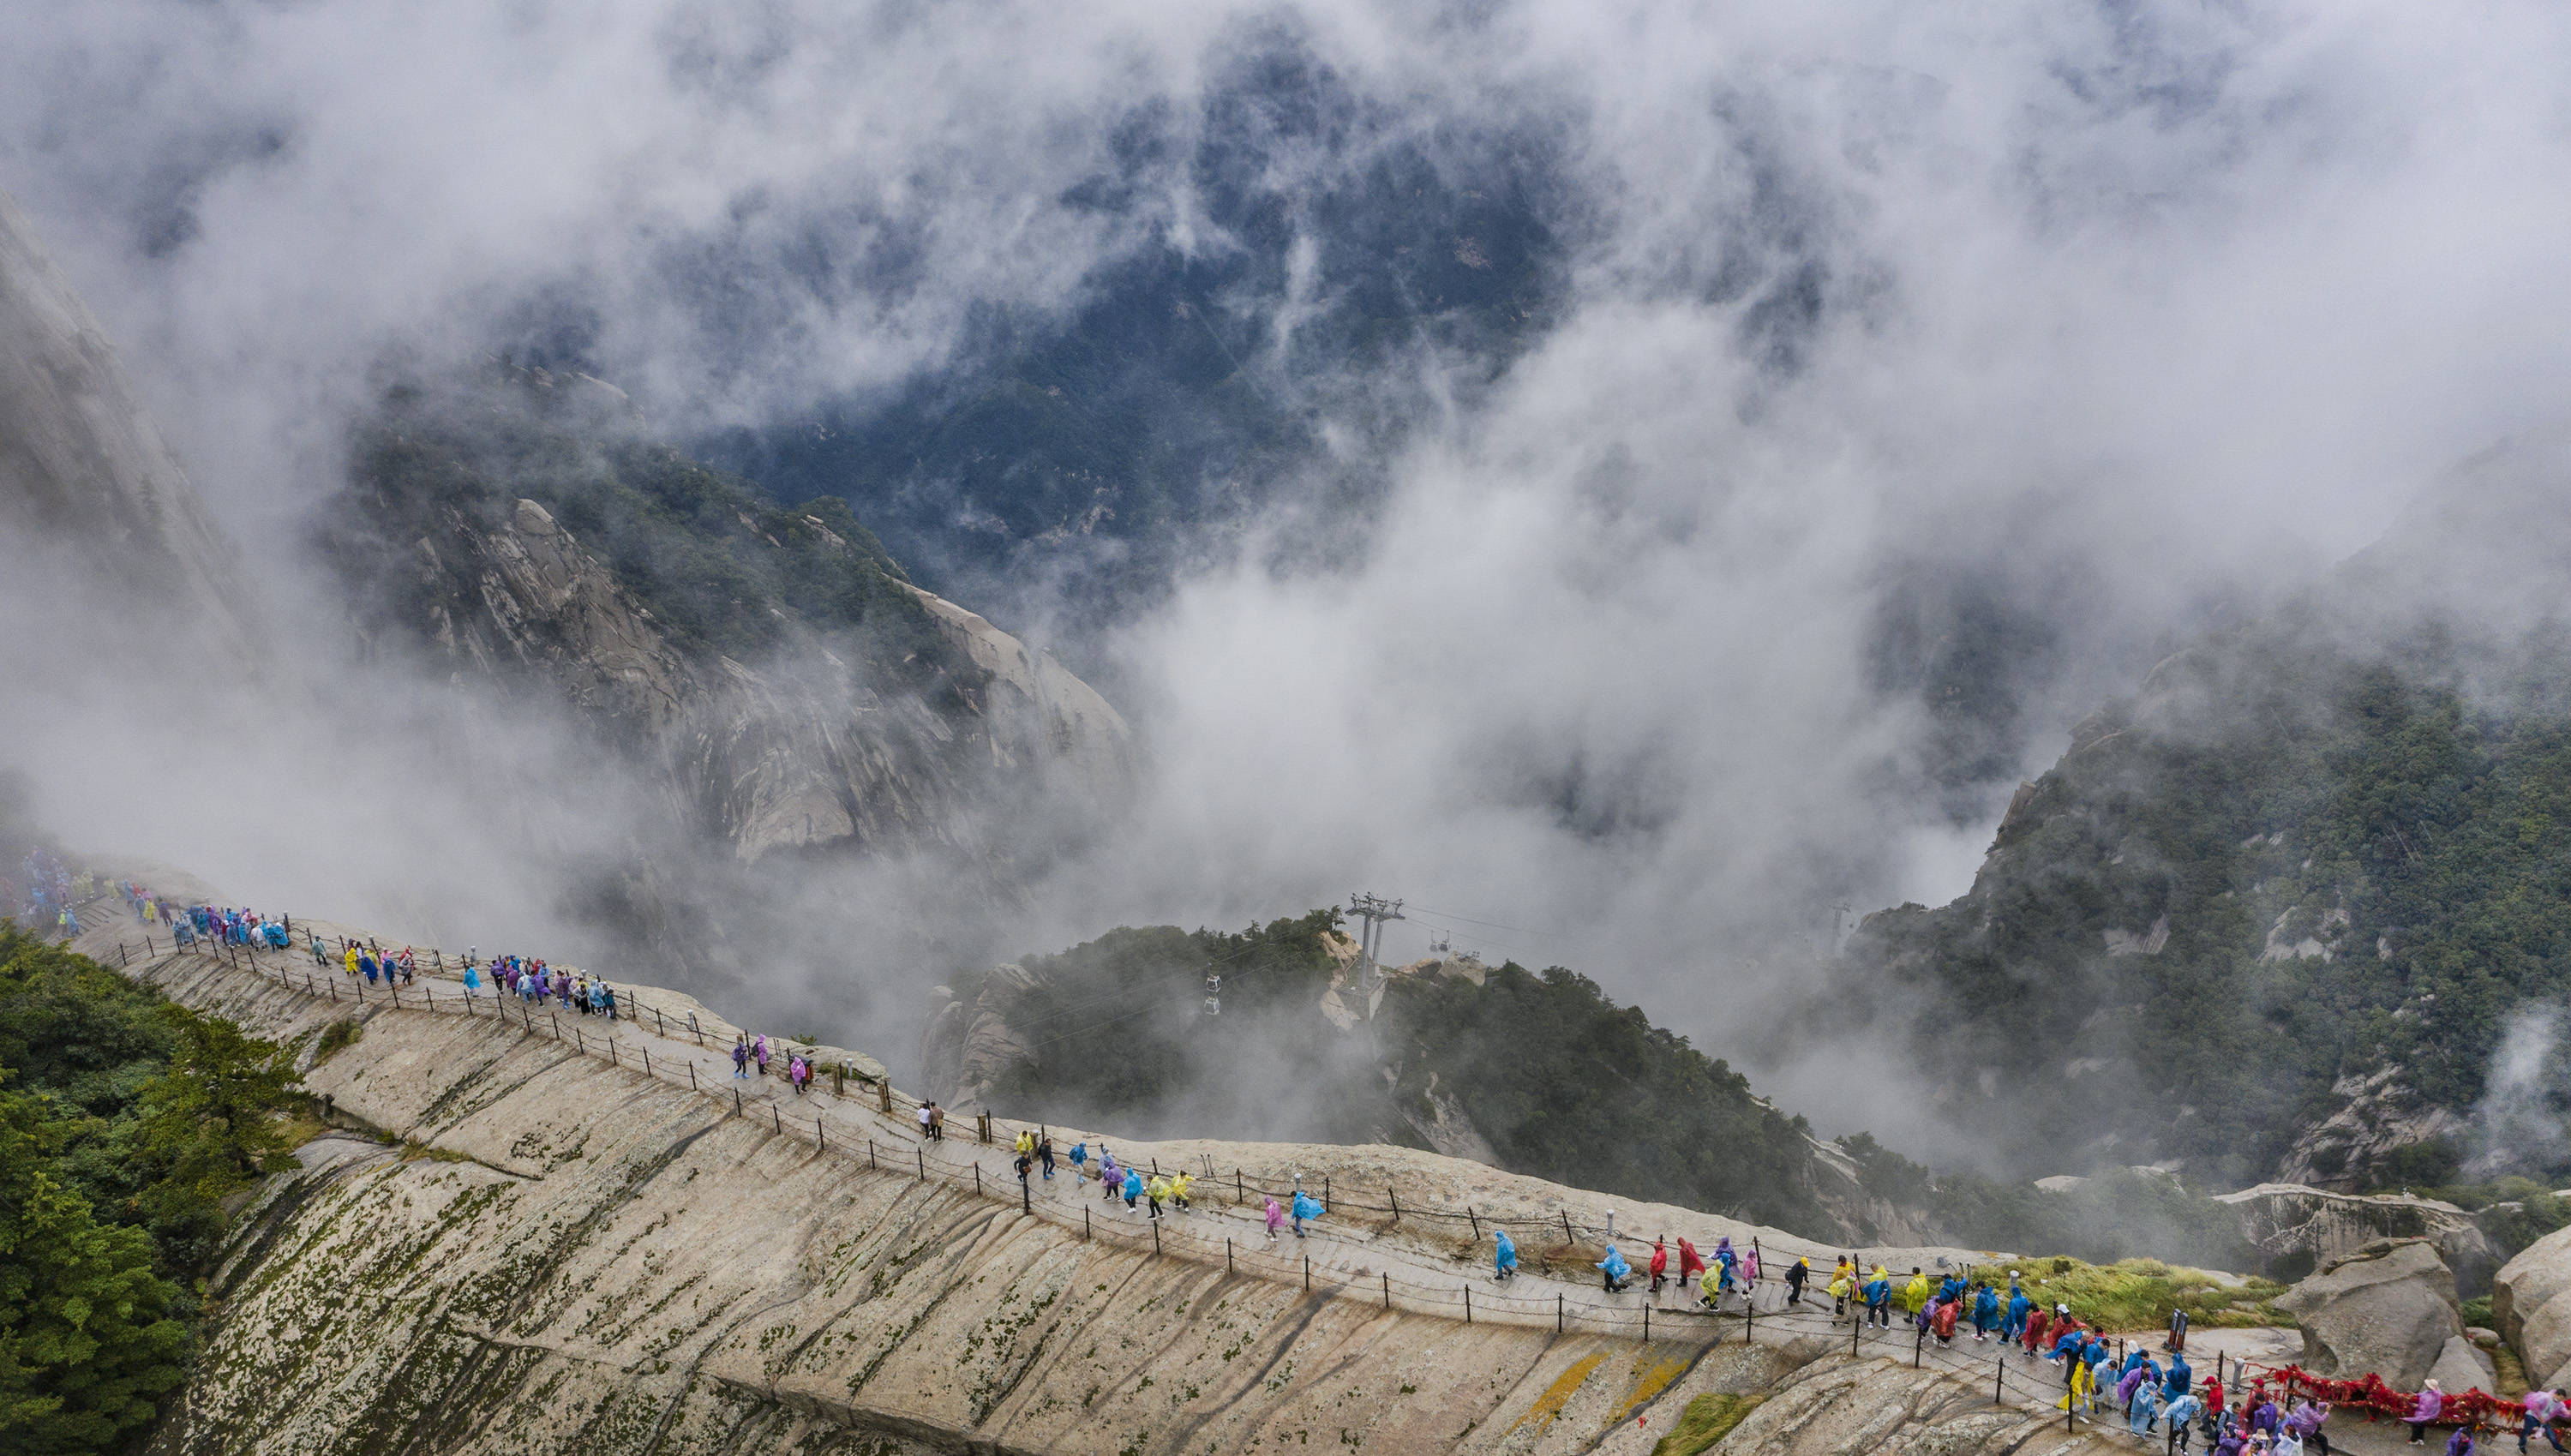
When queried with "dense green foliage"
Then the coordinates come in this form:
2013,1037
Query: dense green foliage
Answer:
1567,1085
125,1121
2361,863
716,562
1562,1083
1115,1032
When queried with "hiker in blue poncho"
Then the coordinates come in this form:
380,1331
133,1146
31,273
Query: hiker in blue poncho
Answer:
2180,1377
1080,1154
1615,1270
1306,1206
472,979
2019,1307
1504,1260
1132,1187
1878,1298
1986,1312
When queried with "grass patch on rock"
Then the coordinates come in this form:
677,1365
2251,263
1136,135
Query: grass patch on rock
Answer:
337,1037
1707,1419
2140,1293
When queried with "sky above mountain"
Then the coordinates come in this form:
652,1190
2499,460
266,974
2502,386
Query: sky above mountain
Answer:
1630,477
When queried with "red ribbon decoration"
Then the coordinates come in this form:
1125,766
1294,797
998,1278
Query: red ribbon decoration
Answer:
2370,1394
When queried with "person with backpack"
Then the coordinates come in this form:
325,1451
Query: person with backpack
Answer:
1132,1188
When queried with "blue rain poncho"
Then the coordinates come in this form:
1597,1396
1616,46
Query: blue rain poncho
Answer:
1133,1185
1505,1258
1306,1205
1614,1266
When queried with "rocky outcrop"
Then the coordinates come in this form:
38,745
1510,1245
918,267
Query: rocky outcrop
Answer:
2286,1220
2462,1366
2376,1118
86,480
2389,1308
811,750
2532,1305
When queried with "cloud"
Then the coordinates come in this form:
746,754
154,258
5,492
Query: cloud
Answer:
2127,313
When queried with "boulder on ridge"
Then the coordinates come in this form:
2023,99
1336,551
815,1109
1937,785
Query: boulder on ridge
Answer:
2389,1308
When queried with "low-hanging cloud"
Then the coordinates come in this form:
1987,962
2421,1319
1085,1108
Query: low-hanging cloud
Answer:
2129,313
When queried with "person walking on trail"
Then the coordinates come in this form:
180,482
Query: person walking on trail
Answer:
1275,1216
741,1071
1796,1275
936,1122
1080,1160
2143,1411
472,980
2178,1413
1109,1176
1660,1264
2462,1443
2019,1307
1156,1192
2304,1420
1179,1183
1025,1163
1025,1141
1504,1257
2178,1379
1841,1289
2544,1408
1306,1206
1986,1312
2424,1410
1044,1155
1915,1296
1132,1187
1878,1298
2036,1325
759,1053
1614,1272
1691,1262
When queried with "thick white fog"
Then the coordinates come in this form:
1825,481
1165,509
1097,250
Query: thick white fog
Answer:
2141,309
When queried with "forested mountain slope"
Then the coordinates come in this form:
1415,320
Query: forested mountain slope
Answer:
2273,915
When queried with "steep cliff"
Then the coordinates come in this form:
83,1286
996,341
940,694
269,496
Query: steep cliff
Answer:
771,666
90,493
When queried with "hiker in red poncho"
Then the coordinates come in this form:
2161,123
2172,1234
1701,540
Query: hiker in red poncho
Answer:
1942,1324
1659,1262
1691,1262
2036,1325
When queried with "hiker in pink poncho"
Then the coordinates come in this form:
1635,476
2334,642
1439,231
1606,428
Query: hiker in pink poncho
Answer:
1276,1219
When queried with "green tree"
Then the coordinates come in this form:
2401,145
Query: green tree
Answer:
88,1338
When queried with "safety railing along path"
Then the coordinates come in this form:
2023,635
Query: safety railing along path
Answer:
1230,1236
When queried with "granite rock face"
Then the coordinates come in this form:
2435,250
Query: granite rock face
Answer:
803,752
2389,1308
85,477
2531,1303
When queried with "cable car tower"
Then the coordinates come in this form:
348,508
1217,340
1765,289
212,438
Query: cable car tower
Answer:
1374,910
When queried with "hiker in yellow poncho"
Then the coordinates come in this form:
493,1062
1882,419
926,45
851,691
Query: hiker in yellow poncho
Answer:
1915,1296
1843,1284
2084,1383
352,959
